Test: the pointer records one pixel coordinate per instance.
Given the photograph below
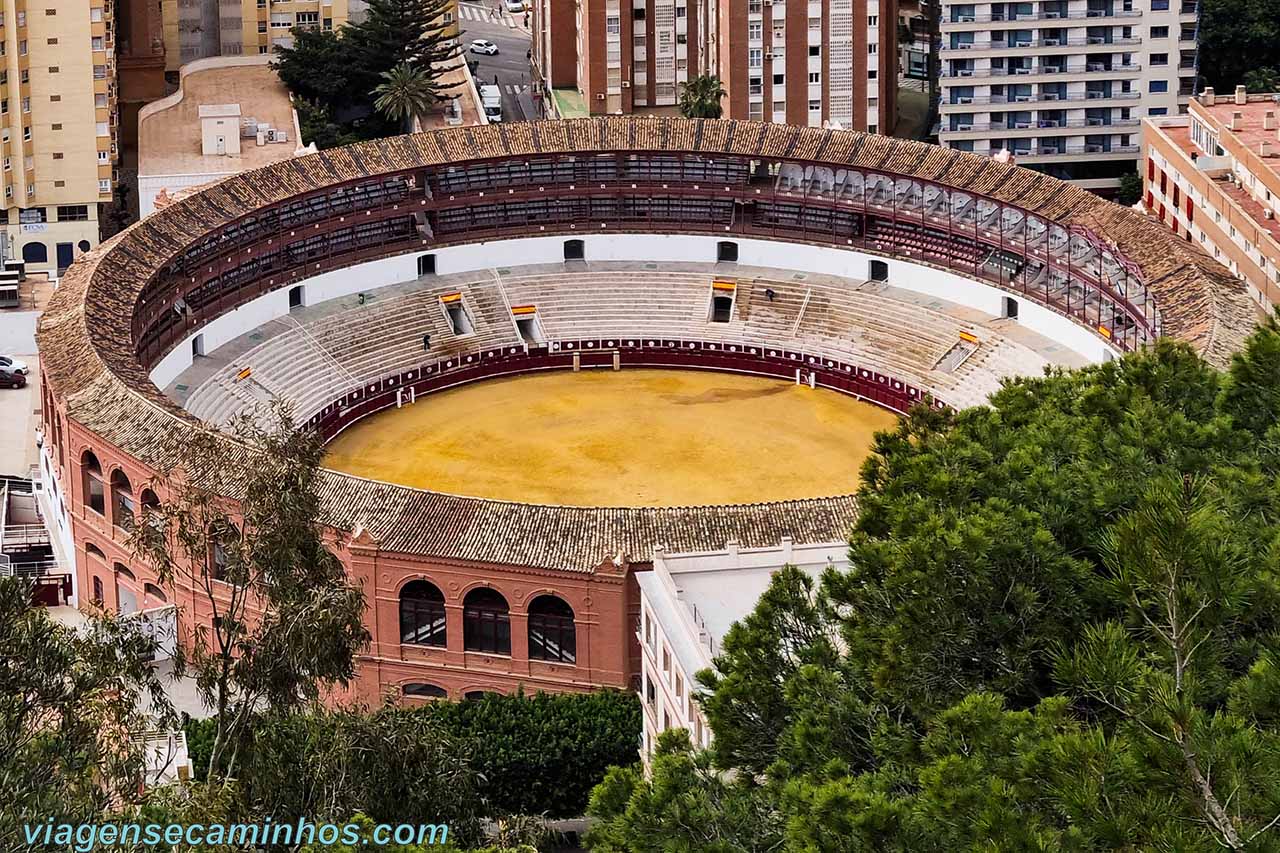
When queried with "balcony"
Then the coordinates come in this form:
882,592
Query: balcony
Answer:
1047,97
1077,150
1050,15
1053,125
1091,68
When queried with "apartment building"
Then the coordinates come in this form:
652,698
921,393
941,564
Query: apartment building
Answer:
796,61
1063,84
58,128
1213,176
913,24
195,29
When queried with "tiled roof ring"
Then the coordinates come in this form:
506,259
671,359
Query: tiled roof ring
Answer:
93,364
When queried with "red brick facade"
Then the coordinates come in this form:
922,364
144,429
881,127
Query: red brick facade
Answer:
600,599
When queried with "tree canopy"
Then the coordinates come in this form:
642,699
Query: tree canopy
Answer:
1238,43
700,97
286,621
66,699
341,75
1059,631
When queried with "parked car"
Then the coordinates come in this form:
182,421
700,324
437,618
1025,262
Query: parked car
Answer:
488,48
515,6
12,379
10,363
491,100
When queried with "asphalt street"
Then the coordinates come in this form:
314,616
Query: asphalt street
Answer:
510,67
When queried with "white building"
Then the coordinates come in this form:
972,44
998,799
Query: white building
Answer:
687,604
230,114
1063,84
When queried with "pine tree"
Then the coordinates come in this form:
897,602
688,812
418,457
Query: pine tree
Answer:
396,32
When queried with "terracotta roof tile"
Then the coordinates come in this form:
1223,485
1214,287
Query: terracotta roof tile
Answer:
94,367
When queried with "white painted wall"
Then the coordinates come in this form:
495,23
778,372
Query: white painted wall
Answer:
57,522
828,260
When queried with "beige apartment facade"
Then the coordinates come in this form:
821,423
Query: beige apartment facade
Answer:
196,29
793,61
59,138
1213,177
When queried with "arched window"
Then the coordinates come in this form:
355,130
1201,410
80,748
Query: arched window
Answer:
478,695
422,617
222,541
155,592
122,505
98,566
425,691
486,622
123,571
35,253
150,507
95,494
552,635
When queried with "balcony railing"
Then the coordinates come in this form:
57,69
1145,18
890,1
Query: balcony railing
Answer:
1040,124
1024,44
1049,15
1076,150
1047,97
1027,72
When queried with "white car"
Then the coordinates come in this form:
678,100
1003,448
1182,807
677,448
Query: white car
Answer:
12,365
515,6
488,48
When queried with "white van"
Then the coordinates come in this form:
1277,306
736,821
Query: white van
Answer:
491,100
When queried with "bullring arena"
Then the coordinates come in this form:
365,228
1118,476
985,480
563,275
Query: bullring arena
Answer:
449,310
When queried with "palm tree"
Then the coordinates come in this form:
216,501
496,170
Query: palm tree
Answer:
700,97
404,92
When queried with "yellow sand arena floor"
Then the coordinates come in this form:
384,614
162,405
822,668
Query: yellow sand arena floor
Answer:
627,438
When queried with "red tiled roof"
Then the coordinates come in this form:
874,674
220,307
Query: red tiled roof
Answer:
89,358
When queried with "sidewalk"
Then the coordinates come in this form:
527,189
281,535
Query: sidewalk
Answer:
20,407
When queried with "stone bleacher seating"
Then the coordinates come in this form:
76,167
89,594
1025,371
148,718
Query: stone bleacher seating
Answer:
316,356
313,363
